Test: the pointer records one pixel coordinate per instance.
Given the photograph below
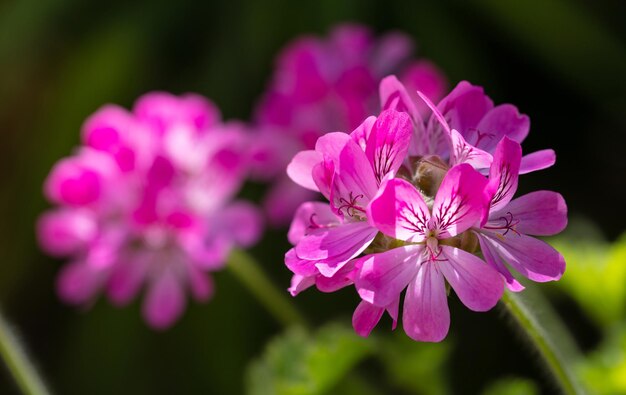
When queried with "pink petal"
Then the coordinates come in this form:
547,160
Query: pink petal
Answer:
539,213
342,278
361,134
366,317
104,129
65,231
300,283
300,169
127,278
164,302
426,77
477,284
302,267
388,143
425,315
537,161
337,246
399,211
462,152
383,276
200,283
503,120
533,258
492,258
393,96
330,145
503,174
78,283
437,135
311,216
354,183
465,107
460,202
242,221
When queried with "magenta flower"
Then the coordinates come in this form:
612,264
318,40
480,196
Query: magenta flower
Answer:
434,249
464,127
147,203
348,170
326,85
504,237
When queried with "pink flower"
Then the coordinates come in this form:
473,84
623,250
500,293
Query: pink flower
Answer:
504,237
326,85
348,170
464,127
434,249
148,203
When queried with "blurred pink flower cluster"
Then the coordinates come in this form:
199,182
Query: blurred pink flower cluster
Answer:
147,202
323,85
413,198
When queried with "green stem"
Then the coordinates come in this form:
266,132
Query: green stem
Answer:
17,362
249,272
548,335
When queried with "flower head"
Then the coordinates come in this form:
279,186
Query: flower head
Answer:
324,85
446,201
147,202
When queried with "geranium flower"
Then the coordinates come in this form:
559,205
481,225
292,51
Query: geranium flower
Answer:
148,202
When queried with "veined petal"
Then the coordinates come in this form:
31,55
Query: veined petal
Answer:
333,247
438,132
393,96
465,106
323,176
300,169
425,315
300,283
354,183
503,174
460,203
399,211
383,276
388,143
299,266
539,213
492,258
502,120
342,278
538,160
462,152
311,216
478,285
330,145
533,258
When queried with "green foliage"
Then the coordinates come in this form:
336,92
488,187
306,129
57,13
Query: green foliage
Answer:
596,276
604,371
416,367
512,386
298,363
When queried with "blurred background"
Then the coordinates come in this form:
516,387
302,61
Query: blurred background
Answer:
562,62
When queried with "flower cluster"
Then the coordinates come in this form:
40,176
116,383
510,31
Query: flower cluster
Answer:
147,202
325,85
415,199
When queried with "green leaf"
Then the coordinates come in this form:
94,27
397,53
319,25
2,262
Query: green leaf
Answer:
512,386
298,363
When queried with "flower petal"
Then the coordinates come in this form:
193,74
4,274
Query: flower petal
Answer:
383,276
503,174
533,258
311,216
164,302
460,202
78,282
399,211
393,96
362,132
478,285
538,160
539,213
299,266
366,317
300,169
300,283
425,315
492,258
503,120
65,231
333,247
462,152
388,143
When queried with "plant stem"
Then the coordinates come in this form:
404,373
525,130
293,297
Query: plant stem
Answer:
548,335
17,362
249,272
